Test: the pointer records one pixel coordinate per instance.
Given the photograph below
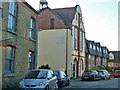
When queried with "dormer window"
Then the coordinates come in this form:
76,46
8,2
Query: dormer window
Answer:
90,45
97,48
111,56
100,49
94,47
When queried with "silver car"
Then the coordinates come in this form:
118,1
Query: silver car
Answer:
39,79
104,74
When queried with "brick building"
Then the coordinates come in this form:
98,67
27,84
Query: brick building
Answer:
114,59
96,55
18,53
62,40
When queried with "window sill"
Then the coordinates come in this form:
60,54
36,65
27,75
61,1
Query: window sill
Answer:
11,31
9,75
32,39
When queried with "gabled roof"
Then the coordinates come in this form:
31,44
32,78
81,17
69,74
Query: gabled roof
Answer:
67,14
116,56
30,7
105,55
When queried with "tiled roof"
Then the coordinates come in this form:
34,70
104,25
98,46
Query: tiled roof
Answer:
67,14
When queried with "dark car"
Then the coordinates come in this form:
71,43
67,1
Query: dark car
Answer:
62,78
117,73
91,75
104,74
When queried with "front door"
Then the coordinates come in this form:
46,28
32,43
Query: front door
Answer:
75,69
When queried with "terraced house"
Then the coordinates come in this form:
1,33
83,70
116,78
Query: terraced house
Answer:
18,52
96,55
62,39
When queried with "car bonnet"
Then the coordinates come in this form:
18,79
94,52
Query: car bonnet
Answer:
33,81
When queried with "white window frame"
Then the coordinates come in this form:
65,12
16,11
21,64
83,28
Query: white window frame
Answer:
12,15
32,28
9,66
76,39
81,40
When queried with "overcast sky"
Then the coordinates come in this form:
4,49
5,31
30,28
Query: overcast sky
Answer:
100,18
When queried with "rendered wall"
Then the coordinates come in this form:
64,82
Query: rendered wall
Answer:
52,49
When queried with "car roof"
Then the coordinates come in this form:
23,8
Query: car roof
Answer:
102,70
41,70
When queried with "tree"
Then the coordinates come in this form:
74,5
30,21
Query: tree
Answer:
94,68
44,67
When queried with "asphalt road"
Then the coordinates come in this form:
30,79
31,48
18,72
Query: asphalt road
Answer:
112,83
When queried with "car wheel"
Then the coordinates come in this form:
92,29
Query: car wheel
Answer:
68,82
104,78
109,77
93,79
61,85
47,88
56,87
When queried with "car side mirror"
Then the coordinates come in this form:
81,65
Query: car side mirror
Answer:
53,75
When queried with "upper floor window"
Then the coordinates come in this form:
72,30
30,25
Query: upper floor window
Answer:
32,28
106,51
94,47
31,60
12,15
90,45
100,49
76,39
52,23
81,41
111,56
10,56
89,56
97,48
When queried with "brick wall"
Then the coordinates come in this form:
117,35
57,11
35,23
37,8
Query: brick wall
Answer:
21,41
45,17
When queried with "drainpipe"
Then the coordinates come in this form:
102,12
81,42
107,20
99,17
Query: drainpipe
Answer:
36,48
66,50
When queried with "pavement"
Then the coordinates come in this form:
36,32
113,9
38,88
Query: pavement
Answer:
75,79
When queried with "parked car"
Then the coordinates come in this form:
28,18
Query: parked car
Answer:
117,73
91,75
62,78
104,74
39,79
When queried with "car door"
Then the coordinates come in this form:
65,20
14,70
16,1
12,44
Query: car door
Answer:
53,80
65,77
50,79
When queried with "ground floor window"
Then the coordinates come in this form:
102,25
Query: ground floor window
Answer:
10,56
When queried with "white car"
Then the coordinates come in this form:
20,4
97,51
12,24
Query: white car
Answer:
104,74
40,79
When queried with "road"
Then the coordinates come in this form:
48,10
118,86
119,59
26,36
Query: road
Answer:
112,83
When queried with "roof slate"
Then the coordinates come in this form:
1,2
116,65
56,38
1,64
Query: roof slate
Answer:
67,14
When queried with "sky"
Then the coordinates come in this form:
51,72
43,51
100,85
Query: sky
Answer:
100,18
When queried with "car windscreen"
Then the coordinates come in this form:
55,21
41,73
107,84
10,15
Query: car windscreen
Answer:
117,71
36,75
100,71
56,73
87,72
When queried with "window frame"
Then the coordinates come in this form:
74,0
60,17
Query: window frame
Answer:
31,60
81,40
32,28
11,66
52,20
12,15
76,39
